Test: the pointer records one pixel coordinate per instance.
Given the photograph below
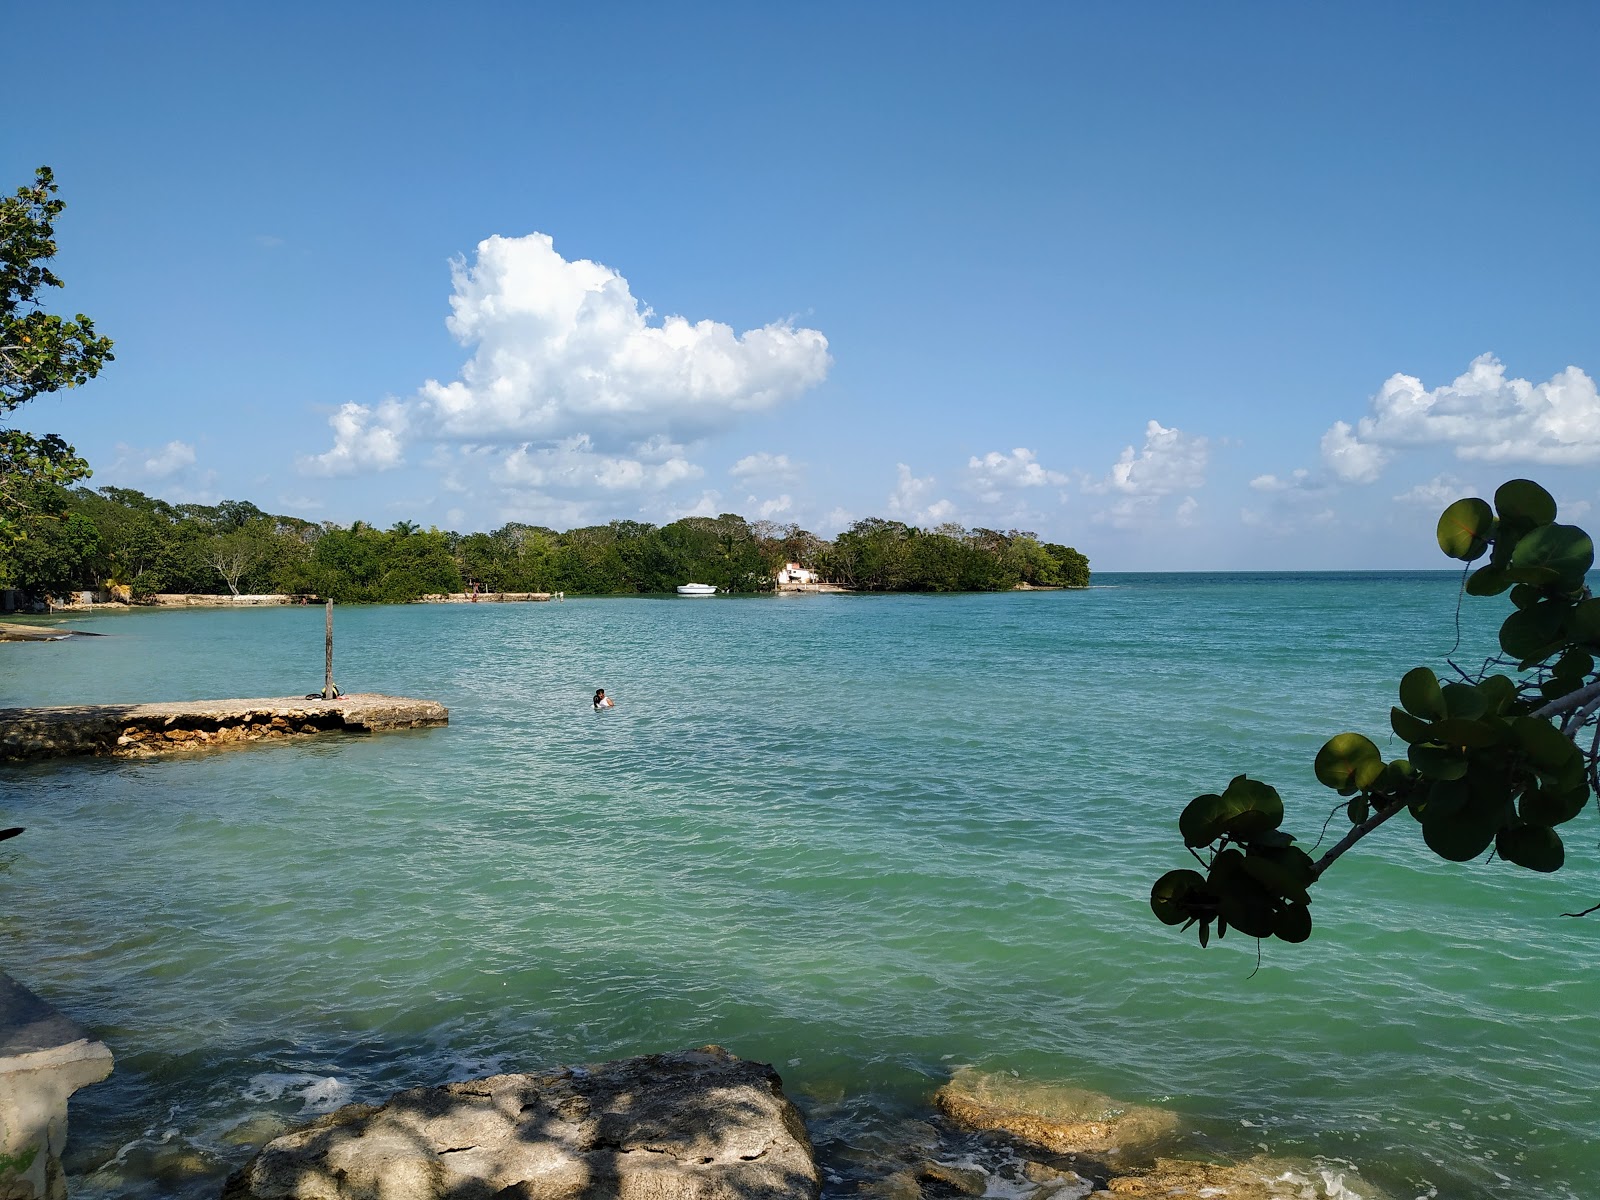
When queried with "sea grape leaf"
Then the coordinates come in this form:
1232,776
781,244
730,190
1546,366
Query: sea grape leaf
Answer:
1170,896
1465,529
1457,838
1292,923
1498,693
1420,694
1348,762
1436,763
1472,735
1488,580
1583,623
1536,847
1547,748
1408,728
1463,700
1564,551
1525,499
1545,805
1533,633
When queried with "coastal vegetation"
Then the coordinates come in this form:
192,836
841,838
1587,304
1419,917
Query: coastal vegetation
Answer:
129,541
1495,757
39,353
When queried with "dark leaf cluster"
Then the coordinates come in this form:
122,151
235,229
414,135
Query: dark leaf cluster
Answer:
1494,759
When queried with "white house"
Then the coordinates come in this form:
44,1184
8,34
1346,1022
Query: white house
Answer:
794,573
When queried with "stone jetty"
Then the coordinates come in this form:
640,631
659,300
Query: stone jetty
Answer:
141,730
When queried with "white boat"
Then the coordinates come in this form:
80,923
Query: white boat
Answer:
696,589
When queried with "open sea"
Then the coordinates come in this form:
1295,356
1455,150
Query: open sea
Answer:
868,839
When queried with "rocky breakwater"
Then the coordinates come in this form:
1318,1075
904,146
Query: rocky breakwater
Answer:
140,730
694,1125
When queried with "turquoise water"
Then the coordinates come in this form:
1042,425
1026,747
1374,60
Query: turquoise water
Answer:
867,839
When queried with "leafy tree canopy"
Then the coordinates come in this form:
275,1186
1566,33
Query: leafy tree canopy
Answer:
1495,758
39,353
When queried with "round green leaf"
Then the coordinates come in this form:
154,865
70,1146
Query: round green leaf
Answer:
1547,748
1565,551
1465,529
1525,499
1420,694
1348,762
1455,838
1532,846
1202,820
1462,700
1498,692
1583,623
1544,805
1469,735
1435,763
1530,634
1293,923
1488,581
1169,898
1410,729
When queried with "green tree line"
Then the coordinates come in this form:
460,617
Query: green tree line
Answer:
123,539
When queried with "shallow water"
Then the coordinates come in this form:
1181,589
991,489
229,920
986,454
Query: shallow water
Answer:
867,839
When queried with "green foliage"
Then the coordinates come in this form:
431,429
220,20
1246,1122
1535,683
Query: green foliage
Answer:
39,353
875,555
147,545
1493,759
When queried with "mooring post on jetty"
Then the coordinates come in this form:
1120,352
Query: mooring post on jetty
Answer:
327,684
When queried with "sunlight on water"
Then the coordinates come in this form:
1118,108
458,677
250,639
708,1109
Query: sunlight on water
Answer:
864,838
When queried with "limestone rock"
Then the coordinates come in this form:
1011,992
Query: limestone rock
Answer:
1255,1179
1055,1117
695,1125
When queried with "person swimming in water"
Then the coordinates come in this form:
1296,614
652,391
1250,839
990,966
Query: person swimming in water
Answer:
601,700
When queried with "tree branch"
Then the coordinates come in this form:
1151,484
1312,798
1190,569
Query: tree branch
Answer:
1355,835
1570,701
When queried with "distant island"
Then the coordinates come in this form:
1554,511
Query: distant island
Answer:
130,545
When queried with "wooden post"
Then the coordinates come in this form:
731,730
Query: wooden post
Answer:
327,686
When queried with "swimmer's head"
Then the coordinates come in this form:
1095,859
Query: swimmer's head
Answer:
599,695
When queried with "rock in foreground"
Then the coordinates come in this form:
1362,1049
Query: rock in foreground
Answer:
1054,1117
696,1125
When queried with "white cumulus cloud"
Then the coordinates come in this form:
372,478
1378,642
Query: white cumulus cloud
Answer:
766,468
585,388
910,500
995,474
1170,461
1482,415
564,348
364,440
574,464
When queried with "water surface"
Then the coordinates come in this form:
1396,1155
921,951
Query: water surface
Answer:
867,839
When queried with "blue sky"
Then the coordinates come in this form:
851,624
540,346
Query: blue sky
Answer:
1187,287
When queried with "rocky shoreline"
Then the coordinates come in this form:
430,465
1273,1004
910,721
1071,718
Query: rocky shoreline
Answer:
706,1125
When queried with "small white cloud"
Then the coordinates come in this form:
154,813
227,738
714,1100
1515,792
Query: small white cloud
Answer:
364,439
171,469
767,509
1170,461
766,468
1438,492
1351,459
995,474
709,505
1186,510
1481,415
170,459
574,464
906,502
